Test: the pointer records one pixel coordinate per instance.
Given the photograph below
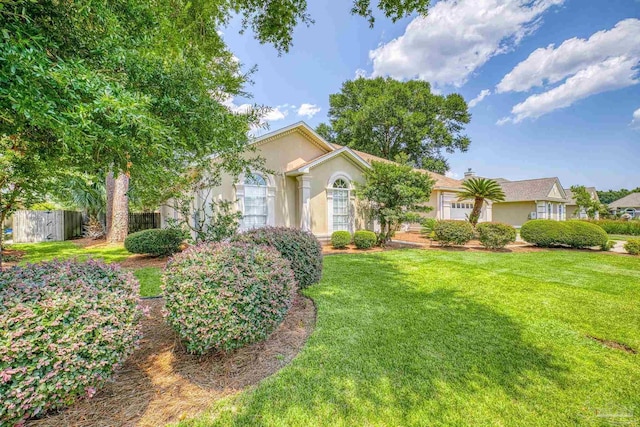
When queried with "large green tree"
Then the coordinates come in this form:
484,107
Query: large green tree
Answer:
393,194
386,117
609,196
131,87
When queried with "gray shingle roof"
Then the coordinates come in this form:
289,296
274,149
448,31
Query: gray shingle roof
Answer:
530,190
630,201
572,201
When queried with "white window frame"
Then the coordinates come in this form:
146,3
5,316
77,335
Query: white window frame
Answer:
331,192
270,191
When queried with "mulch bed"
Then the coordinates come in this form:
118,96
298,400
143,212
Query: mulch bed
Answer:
351,249
141,261
161,383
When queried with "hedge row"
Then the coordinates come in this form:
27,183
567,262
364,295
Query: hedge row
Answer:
575,233
613,226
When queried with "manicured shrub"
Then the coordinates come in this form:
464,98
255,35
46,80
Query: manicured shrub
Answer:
495,235
156,241
608,246
66,327
616,226
340,239
450,232
223,296
544,233
364,239
585,235
300,248
575,234
632,246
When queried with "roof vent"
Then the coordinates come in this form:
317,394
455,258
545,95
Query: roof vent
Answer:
469,173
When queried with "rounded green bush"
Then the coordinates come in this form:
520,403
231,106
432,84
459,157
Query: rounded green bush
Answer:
575,233
544,232
583,234
364,239
495,235
156,241
451,232
223,296
66,327
340,239
632,246
300,248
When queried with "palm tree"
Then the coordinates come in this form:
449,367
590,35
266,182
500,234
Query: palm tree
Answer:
480,189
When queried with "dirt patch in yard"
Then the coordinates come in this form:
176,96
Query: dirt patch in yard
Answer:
613,344
141,261
161,383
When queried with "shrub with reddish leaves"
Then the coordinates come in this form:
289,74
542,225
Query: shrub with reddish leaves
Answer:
222,296
66,326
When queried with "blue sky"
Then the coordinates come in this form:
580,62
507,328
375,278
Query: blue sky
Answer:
562,78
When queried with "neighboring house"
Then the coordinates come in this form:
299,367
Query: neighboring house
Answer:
312,186
542,198
572,208
629,204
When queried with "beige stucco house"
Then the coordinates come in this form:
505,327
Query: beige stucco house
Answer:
572,208
629,204
312,186
542,198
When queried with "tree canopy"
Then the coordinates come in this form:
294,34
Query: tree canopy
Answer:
609,196
386,117
480,189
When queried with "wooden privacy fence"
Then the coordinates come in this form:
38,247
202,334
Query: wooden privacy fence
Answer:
143,221
46,226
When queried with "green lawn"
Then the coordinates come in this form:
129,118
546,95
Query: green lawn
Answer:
435,338
149,277
622,237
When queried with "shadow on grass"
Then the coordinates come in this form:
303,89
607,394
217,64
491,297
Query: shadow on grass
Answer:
388,350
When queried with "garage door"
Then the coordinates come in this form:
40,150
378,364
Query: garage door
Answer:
461,210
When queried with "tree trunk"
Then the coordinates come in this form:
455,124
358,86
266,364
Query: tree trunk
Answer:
120,210
109,185
477,210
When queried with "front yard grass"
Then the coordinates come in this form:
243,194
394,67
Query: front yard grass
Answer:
149,277
434,338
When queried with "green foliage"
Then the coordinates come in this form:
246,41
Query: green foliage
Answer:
150,279
394,194
608,246
364,239
495,235
632,246
575,234
584,200
609,196
612,226
217,222
340,239
387,117
156,241
479,190
66,326
222,296
300,248
427,226
450,232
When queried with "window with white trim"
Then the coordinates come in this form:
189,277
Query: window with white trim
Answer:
340,205
255,202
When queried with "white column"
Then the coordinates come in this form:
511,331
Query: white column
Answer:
304,201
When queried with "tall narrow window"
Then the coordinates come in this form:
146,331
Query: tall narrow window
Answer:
255,202
340,205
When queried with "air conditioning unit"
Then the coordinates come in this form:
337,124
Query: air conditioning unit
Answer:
533,215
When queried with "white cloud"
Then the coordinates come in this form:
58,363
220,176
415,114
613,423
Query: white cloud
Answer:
453,175
308,110
360,73
551,65
635,122
504,121
482,95
456,38
275,114
614,73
